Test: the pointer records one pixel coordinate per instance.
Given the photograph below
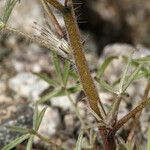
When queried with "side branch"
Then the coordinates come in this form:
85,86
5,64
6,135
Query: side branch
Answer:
130,115
81,64
56,4
52,18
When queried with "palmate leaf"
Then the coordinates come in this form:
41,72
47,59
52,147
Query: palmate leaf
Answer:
148,142
121,144
15,142
57,64
135,63
106,86
37,118
105,64
124,74
143,60
17,129
132,77
10,4
75,88
73,74
79,141
2,25
55,93
59,92
46,78
129,146
66,72
30,142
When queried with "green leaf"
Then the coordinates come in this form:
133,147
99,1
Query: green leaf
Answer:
148,142
124,74
138,145
121,144
132,77
2,25
39,119
136,64
30,142
74,89
57,65
15,142
35,116
46,78
10,4
106,86
73,74
55,93
143,60
66,72
141,75
105,64
129,146
79,141
17,129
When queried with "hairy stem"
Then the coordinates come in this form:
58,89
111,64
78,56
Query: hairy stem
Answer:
136,118
133,113
81,64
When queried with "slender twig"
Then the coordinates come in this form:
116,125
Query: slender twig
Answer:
136,119
52,18
132,114
56,4
81,63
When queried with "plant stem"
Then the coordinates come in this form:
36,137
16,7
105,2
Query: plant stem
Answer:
126,118
56,4
52,18
81,64
109,142
136,118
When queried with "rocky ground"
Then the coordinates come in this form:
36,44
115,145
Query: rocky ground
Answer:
20,88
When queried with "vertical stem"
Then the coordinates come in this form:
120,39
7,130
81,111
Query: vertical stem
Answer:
108,139
81,64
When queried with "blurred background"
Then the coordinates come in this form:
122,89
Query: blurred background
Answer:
107,26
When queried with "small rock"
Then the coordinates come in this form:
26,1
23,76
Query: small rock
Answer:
19,116
69,121
27,85
62,102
